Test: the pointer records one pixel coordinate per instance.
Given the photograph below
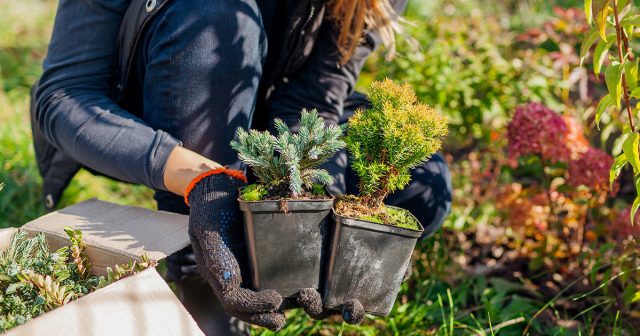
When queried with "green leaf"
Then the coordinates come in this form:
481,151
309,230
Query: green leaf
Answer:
630,150
588,41
318,189
635,93
633,20
616,147
587,10
604,103
616,168
613,78
253,192
599,13
631,74
599,55
636,297
13,287
634,208
622,4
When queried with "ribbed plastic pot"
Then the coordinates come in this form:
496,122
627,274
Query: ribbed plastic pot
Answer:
286,250
367,261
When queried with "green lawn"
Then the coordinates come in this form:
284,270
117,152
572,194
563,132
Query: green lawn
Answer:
24,30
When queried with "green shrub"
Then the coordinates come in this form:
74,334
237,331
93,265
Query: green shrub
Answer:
389,139
386,141
468,66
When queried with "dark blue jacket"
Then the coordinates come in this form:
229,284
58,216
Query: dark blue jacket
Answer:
85,86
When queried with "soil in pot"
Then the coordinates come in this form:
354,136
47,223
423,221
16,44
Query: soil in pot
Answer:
285,248
367,260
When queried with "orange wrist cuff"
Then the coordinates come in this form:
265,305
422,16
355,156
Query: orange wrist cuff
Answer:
238,174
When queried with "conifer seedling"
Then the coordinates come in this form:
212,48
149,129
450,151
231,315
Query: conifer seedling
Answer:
385,142
34,280
286,214
286,164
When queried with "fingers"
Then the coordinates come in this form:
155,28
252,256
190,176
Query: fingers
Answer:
244,300
259,308
271,321
311,302
288,303
353,311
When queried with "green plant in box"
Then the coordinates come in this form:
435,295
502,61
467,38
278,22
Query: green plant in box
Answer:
34,280
386,141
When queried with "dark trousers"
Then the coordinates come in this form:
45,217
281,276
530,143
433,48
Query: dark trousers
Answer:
197,76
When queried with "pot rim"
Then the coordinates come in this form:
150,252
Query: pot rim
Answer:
372,226
292,205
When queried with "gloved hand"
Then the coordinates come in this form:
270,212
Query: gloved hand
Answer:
311,301
218,246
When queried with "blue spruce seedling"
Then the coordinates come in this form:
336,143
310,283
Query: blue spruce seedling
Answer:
286,164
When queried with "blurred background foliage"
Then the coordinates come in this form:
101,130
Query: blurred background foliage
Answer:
507,260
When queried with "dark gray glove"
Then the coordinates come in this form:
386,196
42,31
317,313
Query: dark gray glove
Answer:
218,246
311,301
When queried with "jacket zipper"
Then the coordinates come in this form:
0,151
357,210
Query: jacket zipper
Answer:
299,36
122,82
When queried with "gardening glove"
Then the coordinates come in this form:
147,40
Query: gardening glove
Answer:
310,300
218,246
352,311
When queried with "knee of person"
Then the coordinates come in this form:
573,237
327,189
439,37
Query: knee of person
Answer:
440,213
441,194
229,24
429,195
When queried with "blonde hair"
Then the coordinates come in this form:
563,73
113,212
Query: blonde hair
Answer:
354,16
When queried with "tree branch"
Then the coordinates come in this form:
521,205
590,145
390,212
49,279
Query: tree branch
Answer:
625,88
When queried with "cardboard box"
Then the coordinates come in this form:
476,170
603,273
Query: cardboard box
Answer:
141,304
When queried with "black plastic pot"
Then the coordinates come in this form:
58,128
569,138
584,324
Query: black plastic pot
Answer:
367,261
286,250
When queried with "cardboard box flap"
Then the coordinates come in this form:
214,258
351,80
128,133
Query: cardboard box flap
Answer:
114,232
5,237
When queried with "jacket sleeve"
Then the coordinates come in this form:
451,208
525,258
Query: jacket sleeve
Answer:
74,111
322,82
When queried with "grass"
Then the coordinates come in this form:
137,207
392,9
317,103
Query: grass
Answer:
21,199
24,30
